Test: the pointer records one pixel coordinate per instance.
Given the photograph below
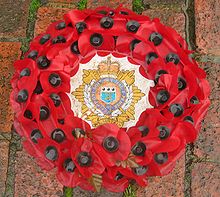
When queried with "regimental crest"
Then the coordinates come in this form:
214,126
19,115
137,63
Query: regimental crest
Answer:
108,94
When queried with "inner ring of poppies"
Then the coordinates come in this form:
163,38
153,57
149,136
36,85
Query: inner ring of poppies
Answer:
109,90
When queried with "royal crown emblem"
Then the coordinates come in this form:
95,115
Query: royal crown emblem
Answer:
108,94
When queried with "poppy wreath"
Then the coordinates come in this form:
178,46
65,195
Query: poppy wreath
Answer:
107,153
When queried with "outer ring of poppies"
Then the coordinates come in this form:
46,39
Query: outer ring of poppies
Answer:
56,138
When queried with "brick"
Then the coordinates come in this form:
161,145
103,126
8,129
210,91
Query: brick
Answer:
79,192
205,180
170,17
169,185
9,52
92,4
60,1
207,144
30,180
14,16
4,147
47,15
207,14
162,2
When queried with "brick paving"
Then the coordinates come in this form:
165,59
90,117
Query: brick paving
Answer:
4,145
171,17
47,15
205,180
79,192
196,175
31,180
208,26
13,20
170,185
60,1
114,4
9,52
207,144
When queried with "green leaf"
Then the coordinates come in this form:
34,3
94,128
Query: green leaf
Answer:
68,192
82,4
138,6
130,191
35,4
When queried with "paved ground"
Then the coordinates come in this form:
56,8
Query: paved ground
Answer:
197,175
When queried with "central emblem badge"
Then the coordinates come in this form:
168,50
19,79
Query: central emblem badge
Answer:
108,93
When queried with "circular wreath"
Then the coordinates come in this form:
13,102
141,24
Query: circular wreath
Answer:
108,154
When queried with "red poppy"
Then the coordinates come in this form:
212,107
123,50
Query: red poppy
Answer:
37,154
86,159
69,175
157,136
118,183
164,162
139,174
75,126
111,143
53,82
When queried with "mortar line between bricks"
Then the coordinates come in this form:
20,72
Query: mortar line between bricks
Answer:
190,24
189,158
10,179
191,41
173,7
5,136
60,5
19,39
32,16
209,58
